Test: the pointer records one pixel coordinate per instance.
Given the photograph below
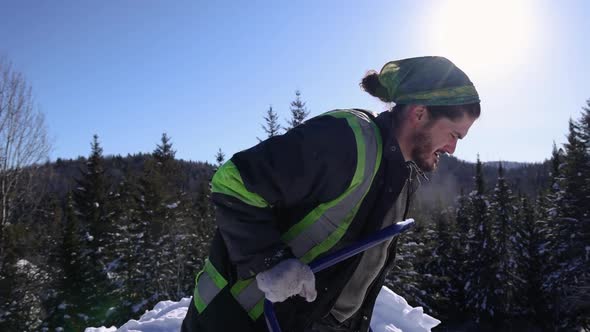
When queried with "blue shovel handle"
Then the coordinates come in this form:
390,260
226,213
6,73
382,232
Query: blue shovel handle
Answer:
337,257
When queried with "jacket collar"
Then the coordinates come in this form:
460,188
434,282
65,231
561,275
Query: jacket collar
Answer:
391,149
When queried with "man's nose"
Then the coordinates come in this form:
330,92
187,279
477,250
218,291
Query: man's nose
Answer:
450,147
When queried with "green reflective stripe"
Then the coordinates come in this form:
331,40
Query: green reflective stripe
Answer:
257,310
316,213
465,94
207,286
248,295
354,123
217,278
313,216
325,225
239,286
373,160
199,303
309,219
227,180
331,240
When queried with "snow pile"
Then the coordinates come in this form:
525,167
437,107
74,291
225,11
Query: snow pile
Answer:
392,314
166,316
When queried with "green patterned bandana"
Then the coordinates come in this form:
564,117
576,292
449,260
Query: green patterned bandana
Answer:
430,80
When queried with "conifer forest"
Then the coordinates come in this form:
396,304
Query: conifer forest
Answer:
98,240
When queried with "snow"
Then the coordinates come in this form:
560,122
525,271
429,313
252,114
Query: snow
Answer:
24,264
467,285
392,314
139,305
113,265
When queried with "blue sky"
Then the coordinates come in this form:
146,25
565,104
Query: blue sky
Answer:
206,72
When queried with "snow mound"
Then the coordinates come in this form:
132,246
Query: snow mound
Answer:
392,314
166,316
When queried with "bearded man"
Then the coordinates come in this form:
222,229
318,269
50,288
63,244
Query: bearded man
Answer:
321,186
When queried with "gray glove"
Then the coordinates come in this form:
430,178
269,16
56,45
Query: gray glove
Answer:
289,277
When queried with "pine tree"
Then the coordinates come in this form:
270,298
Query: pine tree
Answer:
405,278
164,154
219,158
48,234
164,208
550,211
574,268
581,289
585,137
71,252
440,270
506,242
575,165
24,310
463,242
29,275
298,111
205,217
90,200
480,283
91,205
531,259
272,126
567,268
90,196
127,247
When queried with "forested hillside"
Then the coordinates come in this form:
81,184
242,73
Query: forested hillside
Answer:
100,239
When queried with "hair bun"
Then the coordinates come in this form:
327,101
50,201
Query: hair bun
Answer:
373,86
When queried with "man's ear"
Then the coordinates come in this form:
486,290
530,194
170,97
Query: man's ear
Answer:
417,114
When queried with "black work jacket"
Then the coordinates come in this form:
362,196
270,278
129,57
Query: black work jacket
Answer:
295,172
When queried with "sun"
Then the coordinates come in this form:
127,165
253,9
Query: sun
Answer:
482,36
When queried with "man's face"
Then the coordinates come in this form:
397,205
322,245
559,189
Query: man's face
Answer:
435,137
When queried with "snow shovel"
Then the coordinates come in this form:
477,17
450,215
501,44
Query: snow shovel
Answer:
338,256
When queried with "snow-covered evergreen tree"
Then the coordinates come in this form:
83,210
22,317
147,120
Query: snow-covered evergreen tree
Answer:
127,246
164,207
441,268
574,267
567,269
463,242
507,283
480,282
405,277
530,300
25,311
575,167
91,206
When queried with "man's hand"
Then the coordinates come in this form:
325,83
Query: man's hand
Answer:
289,277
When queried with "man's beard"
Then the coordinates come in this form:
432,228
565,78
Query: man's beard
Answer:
422,153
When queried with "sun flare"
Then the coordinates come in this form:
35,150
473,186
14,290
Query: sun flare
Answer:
482,35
